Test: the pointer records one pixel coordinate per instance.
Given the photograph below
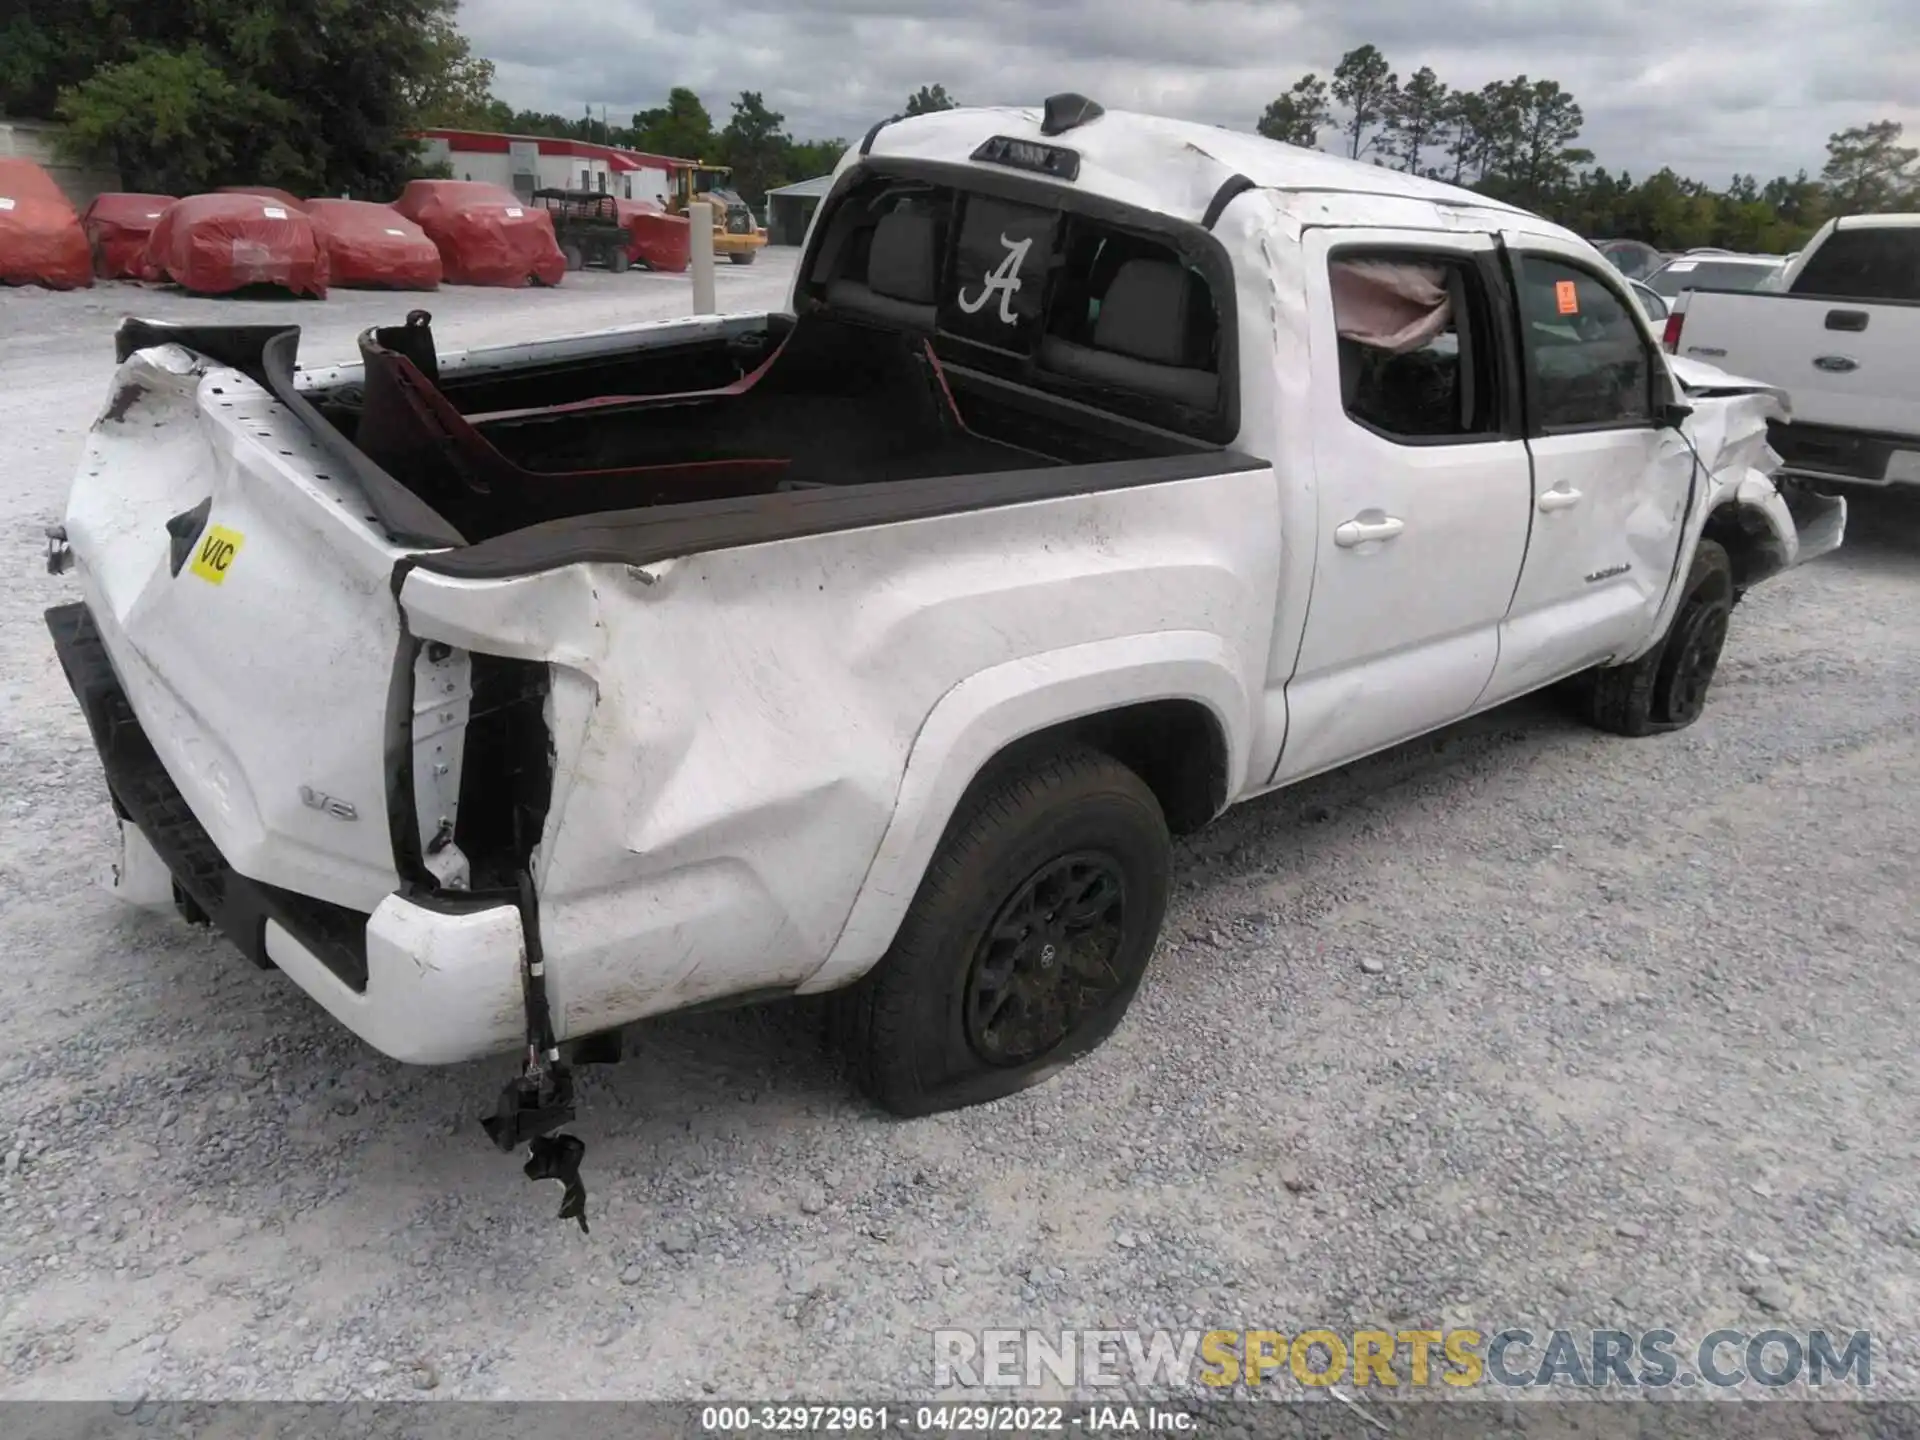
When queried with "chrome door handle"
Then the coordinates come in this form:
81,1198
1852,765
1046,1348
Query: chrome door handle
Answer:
1365,527
1561,497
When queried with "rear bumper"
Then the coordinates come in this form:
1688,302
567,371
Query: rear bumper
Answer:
1856,457
428,983
1819,521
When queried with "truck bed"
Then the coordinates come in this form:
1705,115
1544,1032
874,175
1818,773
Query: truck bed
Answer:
832,404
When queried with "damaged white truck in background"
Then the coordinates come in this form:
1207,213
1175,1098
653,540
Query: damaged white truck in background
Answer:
1104,471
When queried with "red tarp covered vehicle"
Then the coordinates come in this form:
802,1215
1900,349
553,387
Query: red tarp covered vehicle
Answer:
216,244
487,235
660,241
117,225
41,242
374,246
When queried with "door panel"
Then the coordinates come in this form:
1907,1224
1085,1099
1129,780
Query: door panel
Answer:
1610,488
1423,521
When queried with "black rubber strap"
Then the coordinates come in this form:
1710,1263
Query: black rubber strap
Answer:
1223,197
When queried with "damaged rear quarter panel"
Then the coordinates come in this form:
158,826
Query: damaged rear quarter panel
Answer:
731,729
250,690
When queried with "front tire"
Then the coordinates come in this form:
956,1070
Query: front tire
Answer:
617,261
575,260
1025,943
1666,689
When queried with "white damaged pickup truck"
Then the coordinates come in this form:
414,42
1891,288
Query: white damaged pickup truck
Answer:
1104,471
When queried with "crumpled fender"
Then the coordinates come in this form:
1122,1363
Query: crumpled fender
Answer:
1728,430
1756,492
1819,528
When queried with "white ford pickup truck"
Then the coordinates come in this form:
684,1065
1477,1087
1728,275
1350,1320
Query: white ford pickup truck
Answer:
1842,335
1104,471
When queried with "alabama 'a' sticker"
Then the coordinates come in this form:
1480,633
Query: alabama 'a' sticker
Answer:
1567,296
213,557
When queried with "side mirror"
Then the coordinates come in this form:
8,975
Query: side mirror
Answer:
1668,408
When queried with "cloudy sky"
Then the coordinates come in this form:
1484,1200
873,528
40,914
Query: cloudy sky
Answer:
1710,88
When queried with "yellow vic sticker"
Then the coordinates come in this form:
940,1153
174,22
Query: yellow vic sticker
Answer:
215,556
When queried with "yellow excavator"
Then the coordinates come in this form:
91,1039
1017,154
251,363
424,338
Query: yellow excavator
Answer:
735,234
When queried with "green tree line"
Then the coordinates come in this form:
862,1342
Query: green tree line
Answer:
318,96
1515,139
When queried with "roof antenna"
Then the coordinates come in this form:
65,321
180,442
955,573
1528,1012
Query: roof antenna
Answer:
1067,112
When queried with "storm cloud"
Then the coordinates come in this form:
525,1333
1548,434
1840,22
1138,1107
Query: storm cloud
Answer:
1713,89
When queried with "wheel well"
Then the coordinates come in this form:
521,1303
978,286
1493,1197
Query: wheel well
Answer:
1743,532
1176,746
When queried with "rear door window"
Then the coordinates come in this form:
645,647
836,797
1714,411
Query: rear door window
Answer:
1416,345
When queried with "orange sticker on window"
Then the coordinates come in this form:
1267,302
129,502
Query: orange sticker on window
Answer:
1567,296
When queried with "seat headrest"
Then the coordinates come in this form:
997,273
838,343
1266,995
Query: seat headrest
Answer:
1144,312
903,263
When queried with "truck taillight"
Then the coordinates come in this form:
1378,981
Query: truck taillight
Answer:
1670,337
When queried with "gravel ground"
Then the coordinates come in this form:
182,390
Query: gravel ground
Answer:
1513,1025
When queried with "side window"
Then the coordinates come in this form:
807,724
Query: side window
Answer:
1588,365
1415,343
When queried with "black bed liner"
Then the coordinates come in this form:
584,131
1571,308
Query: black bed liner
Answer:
266,354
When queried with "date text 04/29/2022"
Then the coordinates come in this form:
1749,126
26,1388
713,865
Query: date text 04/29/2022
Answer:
1089,1419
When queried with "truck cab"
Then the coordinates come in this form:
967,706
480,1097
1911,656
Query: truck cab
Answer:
1101,472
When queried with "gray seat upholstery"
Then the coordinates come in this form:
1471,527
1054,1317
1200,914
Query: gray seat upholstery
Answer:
1140,338
903,266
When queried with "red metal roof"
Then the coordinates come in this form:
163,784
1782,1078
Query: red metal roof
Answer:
486,142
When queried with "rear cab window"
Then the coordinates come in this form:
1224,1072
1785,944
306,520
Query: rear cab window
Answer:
1871,263
1118,311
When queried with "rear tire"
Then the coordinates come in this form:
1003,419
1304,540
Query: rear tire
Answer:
742,257
1025,942
1666,689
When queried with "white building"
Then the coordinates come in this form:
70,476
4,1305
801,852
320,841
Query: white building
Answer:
525,163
